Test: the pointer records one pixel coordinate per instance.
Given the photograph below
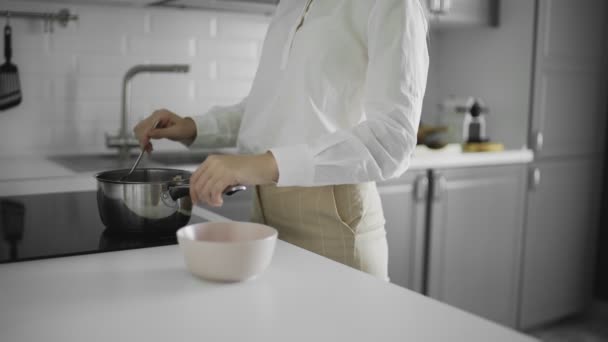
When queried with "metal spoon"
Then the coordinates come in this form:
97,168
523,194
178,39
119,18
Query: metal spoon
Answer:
138,158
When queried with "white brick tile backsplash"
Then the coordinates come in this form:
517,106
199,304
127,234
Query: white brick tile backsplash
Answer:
225,101
231,70
27,43
243,27
216,48
110,21
219,89
101,65
71,78
213,67
64,42
47,64
34,87
180,23
95,88
168,47
99,111
164,86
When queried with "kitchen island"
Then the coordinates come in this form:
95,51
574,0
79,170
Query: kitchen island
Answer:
148,295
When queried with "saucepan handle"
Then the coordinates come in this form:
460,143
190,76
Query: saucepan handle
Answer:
178,191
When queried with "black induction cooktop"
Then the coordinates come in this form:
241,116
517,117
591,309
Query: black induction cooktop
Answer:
62,224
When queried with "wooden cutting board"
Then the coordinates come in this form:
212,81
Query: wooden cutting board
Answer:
483,147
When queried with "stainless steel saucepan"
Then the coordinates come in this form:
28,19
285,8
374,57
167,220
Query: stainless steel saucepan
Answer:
151,200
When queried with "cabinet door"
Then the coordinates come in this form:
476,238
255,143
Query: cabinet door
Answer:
560,226
403,201
461,13
475,240
569,79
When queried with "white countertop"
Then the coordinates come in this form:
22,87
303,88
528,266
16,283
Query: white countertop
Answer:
452,156
27,175
147,295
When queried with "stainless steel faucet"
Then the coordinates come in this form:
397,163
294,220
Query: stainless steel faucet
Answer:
124,141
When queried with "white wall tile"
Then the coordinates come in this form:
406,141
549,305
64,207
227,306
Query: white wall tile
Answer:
165,46
231,70
216,48
64,42
53,64
102,65
71,78
220,89
165,86
94,88
242,27
34,87
180,23
109,21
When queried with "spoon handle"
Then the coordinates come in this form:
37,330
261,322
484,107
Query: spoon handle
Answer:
141,154
136,163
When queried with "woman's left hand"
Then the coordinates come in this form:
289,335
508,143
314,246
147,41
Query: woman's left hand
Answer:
218,172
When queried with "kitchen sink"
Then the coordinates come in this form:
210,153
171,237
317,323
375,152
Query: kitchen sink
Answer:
102,162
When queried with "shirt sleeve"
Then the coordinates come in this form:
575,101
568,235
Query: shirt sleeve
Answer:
380,147
219,127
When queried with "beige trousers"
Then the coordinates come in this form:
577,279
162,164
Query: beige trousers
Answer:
342,222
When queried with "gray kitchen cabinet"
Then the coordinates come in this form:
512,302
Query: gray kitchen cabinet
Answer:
569,91
561,223
567,122
476,230
461,13
404,205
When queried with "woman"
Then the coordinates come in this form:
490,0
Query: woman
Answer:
334,107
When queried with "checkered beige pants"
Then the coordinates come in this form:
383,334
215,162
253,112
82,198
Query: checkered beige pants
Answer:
342,222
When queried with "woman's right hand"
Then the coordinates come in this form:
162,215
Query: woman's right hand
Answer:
170,126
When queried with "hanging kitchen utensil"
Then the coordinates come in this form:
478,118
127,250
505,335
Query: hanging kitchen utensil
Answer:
10,88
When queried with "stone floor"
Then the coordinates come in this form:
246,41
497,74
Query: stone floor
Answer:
590,327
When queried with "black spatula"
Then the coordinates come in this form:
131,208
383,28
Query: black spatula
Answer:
10,88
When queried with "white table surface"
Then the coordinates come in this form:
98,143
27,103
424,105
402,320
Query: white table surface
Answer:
147,295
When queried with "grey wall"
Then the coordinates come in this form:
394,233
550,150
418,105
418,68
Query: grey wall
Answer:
494,64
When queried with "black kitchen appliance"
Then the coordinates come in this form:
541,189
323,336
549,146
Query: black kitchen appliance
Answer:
474,125
61,224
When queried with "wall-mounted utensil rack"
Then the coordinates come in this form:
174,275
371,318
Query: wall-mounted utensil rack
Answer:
62,17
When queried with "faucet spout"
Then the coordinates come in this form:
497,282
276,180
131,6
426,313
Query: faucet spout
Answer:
124,141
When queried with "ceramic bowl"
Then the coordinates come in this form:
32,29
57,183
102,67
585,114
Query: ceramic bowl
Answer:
227,251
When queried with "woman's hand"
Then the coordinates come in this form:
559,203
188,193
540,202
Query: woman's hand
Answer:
218,172
170,126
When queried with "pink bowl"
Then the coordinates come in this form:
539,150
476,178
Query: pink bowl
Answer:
227,251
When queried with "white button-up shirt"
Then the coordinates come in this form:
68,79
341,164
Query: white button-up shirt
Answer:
337,101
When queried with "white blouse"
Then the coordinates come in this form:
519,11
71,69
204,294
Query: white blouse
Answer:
337,101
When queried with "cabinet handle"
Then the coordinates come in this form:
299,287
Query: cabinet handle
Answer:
438,186
538,141
534,178
422,188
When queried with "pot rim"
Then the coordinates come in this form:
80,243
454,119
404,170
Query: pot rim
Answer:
100,174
